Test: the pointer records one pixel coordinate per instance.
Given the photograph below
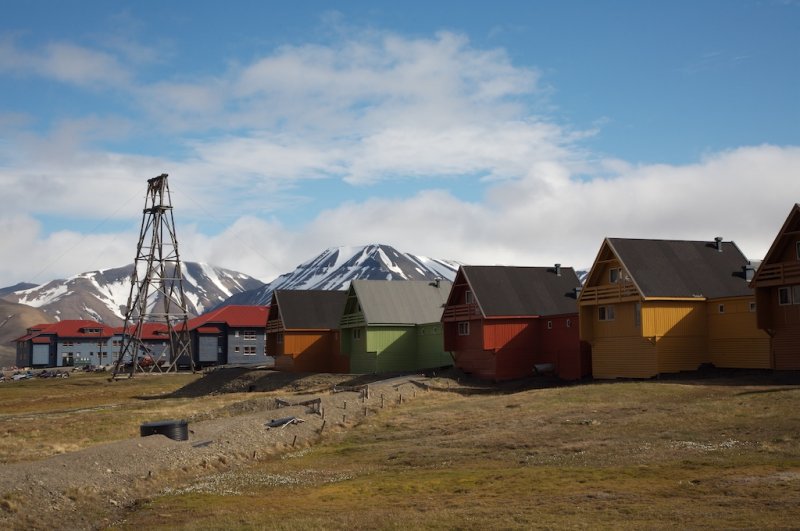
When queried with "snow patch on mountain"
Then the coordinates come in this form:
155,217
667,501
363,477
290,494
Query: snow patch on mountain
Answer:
334,268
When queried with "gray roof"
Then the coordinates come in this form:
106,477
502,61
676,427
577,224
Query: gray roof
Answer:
401,301
679,268
523,291
310,309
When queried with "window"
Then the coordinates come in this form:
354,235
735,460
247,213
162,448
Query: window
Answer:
249,350
615,275
235,333
279,338
784,296
549,325
637,314
249,335
463,328
752,306
796,294
721,308
797,249
468,297
569,323
236,349
356,333
605,313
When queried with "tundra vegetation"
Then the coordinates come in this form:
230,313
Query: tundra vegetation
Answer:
719,452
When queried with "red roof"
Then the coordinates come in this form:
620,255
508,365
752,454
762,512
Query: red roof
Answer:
153,331
71,328
44,339
208,330
235,316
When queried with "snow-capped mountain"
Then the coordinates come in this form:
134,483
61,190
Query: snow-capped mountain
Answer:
334,268
102,295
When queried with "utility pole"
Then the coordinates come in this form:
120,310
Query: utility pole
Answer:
156,294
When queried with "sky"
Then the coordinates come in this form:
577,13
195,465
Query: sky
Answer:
502,132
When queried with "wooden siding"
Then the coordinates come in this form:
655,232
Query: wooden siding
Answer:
396,347
786,348
672,318
477,362
430,347
681,353
624,357
741,353
454,342
560,345
509,334
734,340
311,351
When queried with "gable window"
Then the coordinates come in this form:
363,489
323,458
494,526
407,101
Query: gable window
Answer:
605,313
615,275
463,328
468,297
784,296
356,333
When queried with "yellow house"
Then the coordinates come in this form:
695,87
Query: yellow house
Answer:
661,306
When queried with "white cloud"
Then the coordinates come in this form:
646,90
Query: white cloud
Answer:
65,62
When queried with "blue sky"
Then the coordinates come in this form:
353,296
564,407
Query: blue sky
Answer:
484,132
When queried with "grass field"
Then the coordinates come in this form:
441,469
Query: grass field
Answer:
681,454
39,418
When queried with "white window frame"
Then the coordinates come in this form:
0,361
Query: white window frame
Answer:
463,328
549,325
249,335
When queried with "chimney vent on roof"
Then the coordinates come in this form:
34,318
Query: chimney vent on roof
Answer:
749,271
558,269
718,243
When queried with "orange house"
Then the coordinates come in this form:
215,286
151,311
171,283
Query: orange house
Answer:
777,286
303,331
660,306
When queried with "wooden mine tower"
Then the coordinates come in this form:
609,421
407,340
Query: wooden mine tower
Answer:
156,307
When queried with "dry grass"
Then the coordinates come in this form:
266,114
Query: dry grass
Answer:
39,418
621,455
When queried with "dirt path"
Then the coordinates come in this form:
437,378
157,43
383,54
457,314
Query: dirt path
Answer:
91,488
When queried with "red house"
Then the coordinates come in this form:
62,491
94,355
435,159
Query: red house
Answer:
502,323
777,286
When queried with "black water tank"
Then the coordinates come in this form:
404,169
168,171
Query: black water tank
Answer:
177,430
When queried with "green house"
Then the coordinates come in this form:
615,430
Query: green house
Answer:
394,325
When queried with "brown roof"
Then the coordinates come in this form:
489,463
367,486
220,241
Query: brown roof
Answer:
310,309
522,291
685,269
